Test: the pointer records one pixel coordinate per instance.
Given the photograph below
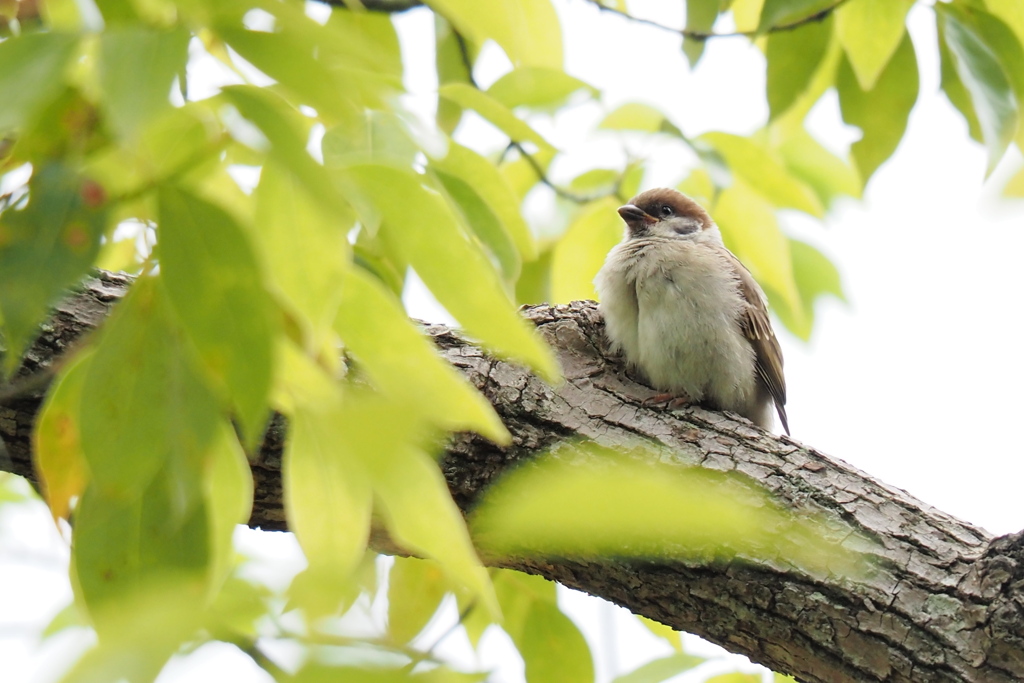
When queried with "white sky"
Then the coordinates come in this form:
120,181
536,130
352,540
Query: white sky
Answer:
914,382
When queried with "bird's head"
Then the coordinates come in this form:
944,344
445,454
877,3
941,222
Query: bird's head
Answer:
664,212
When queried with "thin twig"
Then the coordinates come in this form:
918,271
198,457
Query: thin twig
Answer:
429,652
262,661
705,35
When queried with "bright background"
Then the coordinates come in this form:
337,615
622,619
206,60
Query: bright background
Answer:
914,380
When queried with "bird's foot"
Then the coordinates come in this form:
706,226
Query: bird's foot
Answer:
669,401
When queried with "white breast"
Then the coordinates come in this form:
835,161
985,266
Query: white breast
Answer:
671,307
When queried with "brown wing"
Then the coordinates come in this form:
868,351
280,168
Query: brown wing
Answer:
758,329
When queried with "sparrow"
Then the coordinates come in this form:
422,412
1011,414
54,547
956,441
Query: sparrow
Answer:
687,314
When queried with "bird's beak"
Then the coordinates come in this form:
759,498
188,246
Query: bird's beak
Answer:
636,218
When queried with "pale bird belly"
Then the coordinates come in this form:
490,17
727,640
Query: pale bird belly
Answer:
689,340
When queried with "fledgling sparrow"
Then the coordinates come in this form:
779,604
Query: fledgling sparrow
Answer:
684,311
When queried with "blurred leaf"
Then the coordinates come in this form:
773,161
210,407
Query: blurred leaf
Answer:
57,447
494,190
984,78
870,31
553,648
479,218
140,633
420,513
782,678
700,17
127,546
304,248
534,284
581,506
595,181
287,131
517,593
136,68
527,30
671,636
408,368
750,230
148,404
735,678
581,252
539,88
422,229
379,136
215,284
339,68
31,74
746,13
826,174
764,172
228,489
662,669
328,498
779,13
955,90
793,58
44,248
122,255
498,114
415,590
1006,46
815,275
880,113
1015,185
641,117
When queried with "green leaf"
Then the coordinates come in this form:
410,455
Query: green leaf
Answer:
780,13
527,30
825,173
327,492
494,190
735,678
870,31
521,174
46,247
228,489
661,669
984,78
815,276
581,252
1006,46
553,648
671,636
419,511
478,218
140,632
424,232
136,69
641,117
305,250
700,16
216,287
882,112
32,74
287,132
538,88
764,172
956,92
415,590
148,404
56,440
498,114
1015,185
793,58
379,136
408,368
125,547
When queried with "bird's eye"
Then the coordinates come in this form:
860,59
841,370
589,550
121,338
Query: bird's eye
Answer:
666,211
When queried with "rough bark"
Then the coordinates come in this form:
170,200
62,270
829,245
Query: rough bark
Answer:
943,600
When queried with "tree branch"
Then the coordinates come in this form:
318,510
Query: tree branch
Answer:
943,601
